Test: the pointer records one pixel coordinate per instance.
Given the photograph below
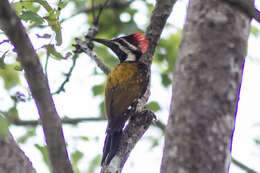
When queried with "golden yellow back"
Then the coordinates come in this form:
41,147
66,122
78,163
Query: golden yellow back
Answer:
125,84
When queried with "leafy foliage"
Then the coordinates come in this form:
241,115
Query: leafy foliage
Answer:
98,89
255,31
76,156
52,51
166,56
94,164
30,16
154,106
28,134
9,75
3,127
44,153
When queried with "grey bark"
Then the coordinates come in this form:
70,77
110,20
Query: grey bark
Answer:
12,158
38,84
206,88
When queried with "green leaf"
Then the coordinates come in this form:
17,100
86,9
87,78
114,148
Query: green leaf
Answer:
255,31
18,7
95,163
51,50
32,17
2,60
102,108
45,4
75,158
18,68
62,4
166,81
44,153
154,142
28,5
154,106
98,89
12,114
3,127
29,133
57,29
54,23
9,76
166,56
68,54
85,138
43,36
257,141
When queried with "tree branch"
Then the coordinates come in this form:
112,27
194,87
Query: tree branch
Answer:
141,120
73,121
12,158
160,14
38,84
132,133
197,131
87,46
65,120
83,46
248,8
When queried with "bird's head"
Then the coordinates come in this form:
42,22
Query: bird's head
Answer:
127,48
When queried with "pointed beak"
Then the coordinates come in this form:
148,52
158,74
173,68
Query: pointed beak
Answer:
113,46
105,42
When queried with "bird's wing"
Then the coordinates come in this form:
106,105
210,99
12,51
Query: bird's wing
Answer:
122,95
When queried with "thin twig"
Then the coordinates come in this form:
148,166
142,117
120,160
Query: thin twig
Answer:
46,65
5,41
111,4
242,166
160,125
65,120
73,121
87,46
84,48
93,10
68,75
99,13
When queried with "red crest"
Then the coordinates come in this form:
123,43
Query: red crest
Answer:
138,40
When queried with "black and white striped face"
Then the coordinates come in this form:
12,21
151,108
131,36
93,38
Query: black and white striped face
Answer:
125,50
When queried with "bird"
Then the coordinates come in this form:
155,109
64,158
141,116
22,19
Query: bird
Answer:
125,85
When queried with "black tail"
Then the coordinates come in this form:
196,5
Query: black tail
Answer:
110,146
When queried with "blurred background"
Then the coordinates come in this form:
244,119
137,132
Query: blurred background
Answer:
53,27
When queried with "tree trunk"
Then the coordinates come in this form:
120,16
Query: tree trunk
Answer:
39,87
206,88
12,158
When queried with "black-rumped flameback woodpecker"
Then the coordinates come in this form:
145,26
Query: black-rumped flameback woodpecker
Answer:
125,84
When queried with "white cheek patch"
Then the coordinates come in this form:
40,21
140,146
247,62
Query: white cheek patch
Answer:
130,55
